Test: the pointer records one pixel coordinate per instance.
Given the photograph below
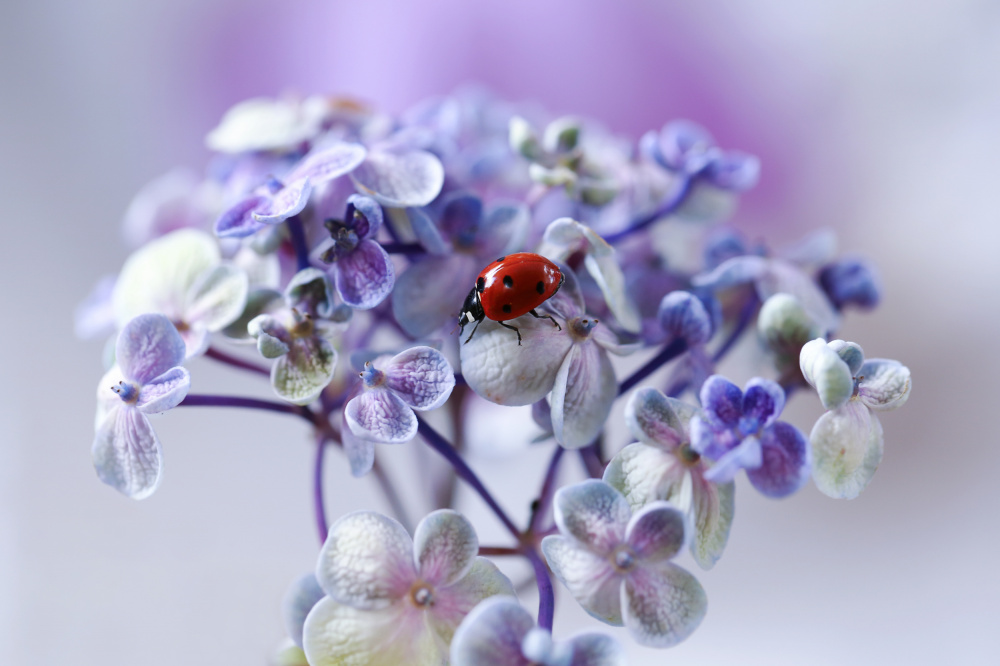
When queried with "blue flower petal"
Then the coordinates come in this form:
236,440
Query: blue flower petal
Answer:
238,221
380,415
364,277
722,401
762,403
289,201
785,461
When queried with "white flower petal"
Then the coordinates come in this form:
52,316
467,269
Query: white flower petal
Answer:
127,454
400,179
847,446
584,390
164,392
641,472
267,124
713,507
445,546
589,578
886,384
301,374
421,376
593,513
380,415
611,280
218,297
299,600
823,368
367,561
663,604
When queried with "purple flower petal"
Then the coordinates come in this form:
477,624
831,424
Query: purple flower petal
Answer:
663,604
747,455
591,649
734,171
127,454
329,163
584,390
491,634
445,546
785,461
763,401
238,221
657,532
685,146
430,293
365,276
164,392
594,514
651,419
590,578
427,232
289,200
364,215
421,376
367,561
684,317
722,402
148,346
461,216
400,179
380,415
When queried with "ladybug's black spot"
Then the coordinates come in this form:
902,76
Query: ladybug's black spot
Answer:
540,287
508,281
501,258
506,308
480,285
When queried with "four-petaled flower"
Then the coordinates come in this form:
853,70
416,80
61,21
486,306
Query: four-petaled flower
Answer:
499,632
146,380
392,600
663,465
847,442
739,430
617,564
392,387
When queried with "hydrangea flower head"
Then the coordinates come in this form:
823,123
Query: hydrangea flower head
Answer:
739,430
361,269
500,632
847,442
617,564
571,363
147,380
392,599
663,465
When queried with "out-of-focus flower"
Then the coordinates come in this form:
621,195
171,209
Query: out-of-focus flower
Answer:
268,124
126,451
499,632
175,200
851,281
182,276
739,430
847,442
571,363
617,565
663,465
393,600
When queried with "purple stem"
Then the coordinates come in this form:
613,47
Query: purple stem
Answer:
439,444
297,234
408,249
548,489
746,314
667,354
546,595
668,207
195,400
318,504
592,462
236,362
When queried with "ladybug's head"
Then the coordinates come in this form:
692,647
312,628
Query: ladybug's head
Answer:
472,309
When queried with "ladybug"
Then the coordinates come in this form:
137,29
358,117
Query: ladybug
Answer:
511,286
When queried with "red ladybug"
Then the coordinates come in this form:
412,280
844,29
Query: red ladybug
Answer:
511,286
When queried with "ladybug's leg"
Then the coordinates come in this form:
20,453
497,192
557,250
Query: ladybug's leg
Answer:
476,328
513,328
538,316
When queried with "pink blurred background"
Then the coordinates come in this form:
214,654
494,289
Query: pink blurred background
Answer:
880,120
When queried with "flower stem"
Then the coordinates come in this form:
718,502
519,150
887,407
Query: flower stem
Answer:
592,462
746,314
228,359
318,504
439,444
667,354
544,501
546,595
499,551
408,249
297,234
198,400
668,207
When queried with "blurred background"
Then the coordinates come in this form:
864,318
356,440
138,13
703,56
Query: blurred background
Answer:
881,120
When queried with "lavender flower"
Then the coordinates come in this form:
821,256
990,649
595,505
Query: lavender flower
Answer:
617,565
126,451
499,632
739,430
570,363
264,124
393,600
663,465
361,269
847,442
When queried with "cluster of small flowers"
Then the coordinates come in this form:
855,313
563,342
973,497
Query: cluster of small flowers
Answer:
343,242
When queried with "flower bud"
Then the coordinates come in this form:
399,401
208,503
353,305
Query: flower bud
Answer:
684,317
851,281
522,138
784,324
562,135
